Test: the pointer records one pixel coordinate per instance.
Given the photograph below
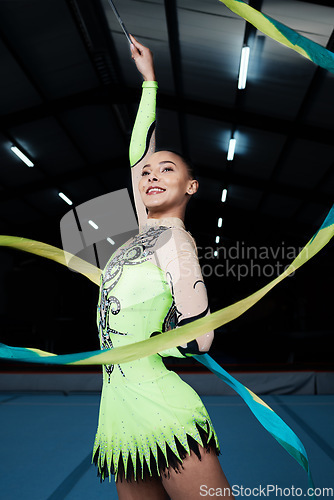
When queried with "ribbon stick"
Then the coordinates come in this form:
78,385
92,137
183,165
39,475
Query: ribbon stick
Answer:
283,34
119,19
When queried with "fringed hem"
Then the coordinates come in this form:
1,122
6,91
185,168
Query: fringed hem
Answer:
157,469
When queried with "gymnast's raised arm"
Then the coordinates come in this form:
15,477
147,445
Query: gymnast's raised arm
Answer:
142,143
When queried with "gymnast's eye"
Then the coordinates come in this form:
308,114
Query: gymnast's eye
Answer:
168,168
145,172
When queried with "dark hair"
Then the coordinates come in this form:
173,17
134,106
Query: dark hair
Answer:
187,161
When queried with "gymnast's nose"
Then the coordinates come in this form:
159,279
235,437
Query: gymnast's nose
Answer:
153,177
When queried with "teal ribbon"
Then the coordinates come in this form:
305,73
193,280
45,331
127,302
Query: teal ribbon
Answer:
264,414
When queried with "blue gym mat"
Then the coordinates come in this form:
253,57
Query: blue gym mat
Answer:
47,439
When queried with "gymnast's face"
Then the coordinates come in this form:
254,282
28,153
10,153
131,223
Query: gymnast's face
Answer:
165,185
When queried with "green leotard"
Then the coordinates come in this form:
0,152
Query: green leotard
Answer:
149,418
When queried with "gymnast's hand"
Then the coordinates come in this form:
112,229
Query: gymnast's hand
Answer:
143,58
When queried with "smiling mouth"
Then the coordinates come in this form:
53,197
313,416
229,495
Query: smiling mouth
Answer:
155,190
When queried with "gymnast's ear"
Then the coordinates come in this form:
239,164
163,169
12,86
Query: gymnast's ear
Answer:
192,187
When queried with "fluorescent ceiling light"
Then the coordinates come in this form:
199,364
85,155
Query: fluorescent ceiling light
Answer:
243,68
215,253
217,239
22,156
224,195
111,241
220,221
231,149
64,197
95,226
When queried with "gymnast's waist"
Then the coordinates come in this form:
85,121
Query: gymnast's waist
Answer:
140,370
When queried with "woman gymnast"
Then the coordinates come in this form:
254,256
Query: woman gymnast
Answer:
154,433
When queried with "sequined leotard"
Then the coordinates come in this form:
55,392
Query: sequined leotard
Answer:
149,418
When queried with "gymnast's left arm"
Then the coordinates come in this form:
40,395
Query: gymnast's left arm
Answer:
142,143
177,256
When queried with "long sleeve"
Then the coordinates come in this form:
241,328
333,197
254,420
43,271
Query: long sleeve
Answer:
177,257
142,143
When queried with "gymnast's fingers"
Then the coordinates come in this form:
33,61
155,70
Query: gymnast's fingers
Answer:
143,58
140,47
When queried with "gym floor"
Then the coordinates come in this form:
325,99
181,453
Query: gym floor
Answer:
47,440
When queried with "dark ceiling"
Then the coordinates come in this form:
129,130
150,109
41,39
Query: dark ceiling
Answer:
69,94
